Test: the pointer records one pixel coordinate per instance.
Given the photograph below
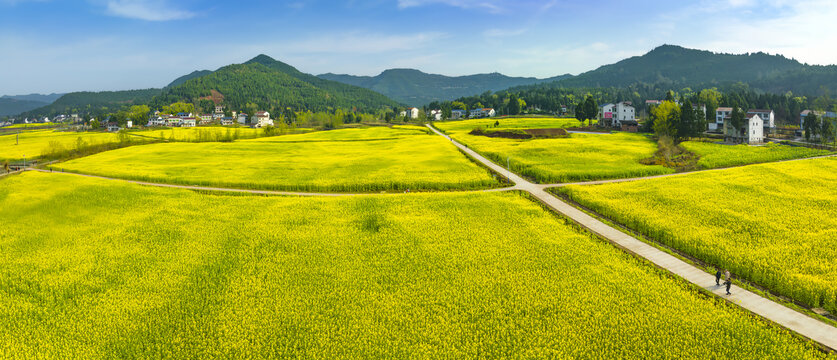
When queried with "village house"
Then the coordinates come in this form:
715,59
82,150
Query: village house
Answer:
819,114
242,118
482,113
262,119
614,115
768,116
113,127
219,109
722,114
751,132
458,114
206,119
227,121
412,113
435,115
188,122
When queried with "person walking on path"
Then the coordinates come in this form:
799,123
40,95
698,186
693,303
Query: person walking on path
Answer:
727,281
718,277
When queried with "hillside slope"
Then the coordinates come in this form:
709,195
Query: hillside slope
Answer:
676,67
85,101
273,85
417,88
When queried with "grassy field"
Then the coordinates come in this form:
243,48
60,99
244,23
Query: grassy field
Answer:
772,224
33,143
322,161
580,157
128,271
718,156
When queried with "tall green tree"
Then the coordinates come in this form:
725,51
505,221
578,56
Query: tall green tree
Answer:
514,105
686,127
736,120
580,113
666,116
809,124
591,109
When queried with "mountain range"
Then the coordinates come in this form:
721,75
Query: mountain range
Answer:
677,67
416,88
16,104
271,84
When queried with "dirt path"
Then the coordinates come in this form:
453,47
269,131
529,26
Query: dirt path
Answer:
800,323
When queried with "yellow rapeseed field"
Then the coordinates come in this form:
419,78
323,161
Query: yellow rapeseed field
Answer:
33,144
580,157
103,269
772,224
338,160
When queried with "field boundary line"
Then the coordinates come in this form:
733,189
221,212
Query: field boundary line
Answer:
253,191
802,324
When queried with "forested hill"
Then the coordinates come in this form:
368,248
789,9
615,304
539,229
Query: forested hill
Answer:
94,102
676,68
417,88
272,85
192,75
16,104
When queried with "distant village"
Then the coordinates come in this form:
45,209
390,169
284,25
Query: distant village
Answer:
620,116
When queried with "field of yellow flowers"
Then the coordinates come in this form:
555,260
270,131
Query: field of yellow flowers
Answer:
348,160
772,224
95,268
580,157
718,155
33,144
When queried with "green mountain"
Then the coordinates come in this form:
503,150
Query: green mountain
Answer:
15,104
417,88
676,67
10,106
272,85
184,78
86,101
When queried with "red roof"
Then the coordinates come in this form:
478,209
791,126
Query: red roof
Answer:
724,109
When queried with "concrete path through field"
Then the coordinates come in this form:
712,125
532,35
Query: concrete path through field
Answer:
243,191
802,324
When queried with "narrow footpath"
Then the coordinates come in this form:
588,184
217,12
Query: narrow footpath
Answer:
793,320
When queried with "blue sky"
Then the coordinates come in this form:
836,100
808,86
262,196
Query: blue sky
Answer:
73,45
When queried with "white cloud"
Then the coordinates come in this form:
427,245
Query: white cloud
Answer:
497,33
148,10
493,6
798,29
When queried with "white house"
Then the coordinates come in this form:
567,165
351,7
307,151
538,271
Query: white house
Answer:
242,118
768,116
262,119
613,115
435,115
113,127
412,112
751,132
227,121
188,122
481,113
722,114
457,114
206,119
